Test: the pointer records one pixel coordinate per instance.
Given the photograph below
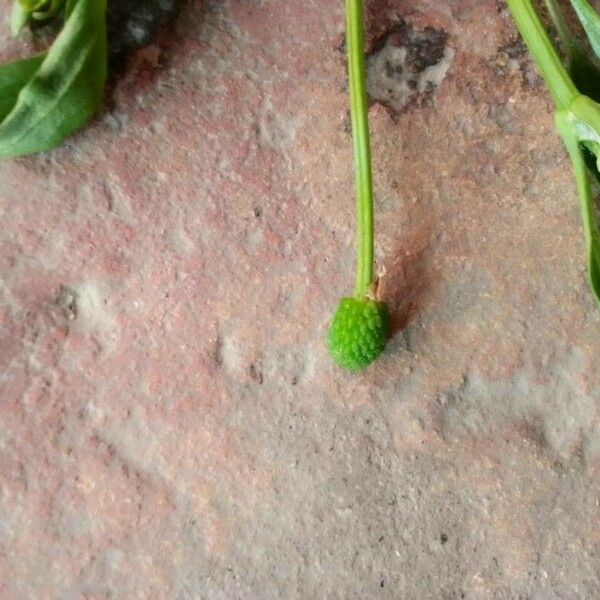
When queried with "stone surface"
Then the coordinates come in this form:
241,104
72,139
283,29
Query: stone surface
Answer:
170,423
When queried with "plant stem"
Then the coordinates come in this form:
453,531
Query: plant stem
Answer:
562,29
564,124
548,62
362,149
565,128
590,21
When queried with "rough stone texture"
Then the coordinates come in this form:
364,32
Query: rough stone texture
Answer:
406,65
170,423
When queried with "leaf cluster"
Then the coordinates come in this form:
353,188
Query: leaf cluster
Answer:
46,97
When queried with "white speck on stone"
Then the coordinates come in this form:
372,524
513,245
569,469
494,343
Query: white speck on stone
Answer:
95,316
137,32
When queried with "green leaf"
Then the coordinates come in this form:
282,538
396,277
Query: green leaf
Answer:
13,77
66,89
18,18
564,124
590,21
51,10
33,5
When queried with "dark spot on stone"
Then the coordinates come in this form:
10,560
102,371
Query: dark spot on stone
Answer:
514,55
294,380
66,301
426,49
218,351
398,73
393,70
514,49
256,373
443,538
382,584
257,211
423,48
347,125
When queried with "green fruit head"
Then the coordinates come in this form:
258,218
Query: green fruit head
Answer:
358,332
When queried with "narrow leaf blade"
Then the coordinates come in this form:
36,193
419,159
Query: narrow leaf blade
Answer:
590,21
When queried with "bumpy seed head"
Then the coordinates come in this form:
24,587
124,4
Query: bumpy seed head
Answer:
358,332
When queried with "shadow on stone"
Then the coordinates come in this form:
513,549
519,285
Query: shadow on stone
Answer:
133,24
407,281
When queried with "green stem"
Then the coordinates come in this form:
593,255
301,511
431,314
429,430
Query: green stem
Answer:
562,29
362,149
569,134
548,62
565,128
